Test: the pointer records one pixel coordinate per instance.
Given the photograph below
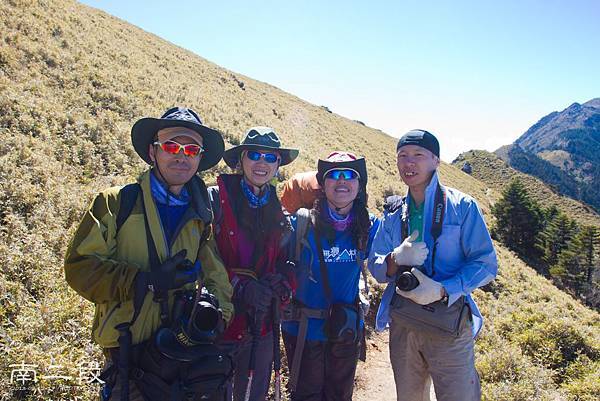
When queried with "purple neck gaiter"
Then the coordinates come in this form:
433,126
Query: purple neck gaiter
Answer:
338,222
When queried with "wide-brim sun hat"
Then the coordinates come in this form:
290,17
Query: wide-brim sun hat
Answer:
340,160
260,138
144,131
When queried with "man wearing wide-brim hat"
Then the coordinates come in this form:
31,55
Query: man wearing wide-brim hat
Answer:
140,245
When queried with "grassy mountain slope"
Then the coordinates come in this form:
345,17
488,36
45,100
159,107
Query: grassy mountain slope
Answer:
72,82
532,164
492,170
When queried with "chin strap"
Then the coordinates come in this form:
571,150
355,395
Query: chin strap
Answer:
337,209
162,177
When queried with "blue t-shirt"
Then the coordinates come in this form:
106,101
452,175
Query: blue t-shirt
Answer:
343,272
171,208
170,217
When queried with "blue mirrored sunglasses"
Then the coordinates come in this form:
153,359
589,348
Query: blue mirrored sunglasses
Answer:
345,174
268,157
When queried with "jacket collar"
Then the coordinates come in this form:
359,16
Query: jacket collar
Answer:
199,204
429,190
196,189
427,212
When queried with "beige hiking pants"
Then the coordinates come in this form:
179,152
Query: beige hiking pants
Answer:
450,362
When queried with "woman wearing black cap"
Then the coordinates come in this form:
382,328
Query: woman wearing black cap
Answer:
251,231
324,332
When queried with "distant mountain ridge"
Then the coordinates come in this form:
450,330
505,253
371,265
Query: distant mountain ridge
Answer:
563,150
73,80
548,132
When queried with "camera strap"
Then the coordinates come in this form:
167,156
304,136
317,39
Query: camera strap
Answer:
159,296
439,211
325,276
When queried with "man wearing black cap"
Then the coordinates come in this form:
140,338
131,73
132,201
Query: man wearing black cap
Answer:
141,248
430,274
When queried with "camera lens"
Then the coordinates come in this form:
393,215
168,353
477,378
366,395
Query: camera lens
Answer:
205,316
407,281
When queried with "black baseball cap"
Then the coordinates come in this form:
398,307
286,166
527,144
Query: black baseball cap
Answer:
422,138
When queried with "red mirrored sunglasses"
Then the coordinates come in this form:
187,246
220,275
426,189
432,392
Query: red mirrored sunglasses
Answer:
172,147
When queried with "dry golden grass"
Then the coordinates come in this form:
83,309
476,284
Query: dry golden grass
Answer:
493,171
72,82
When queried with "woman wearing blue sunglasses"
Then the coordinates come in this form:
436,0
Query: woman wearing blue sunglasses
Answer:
324,332
250,230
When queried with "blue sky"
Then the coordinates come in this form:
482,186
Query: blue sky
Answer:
476,73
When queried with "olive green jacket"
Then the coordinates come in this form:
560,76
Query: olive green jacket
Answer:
101,264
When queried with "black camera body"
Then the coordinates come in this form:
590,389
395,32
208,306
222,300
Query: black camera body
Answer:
406,280
197,322
197,316
205,321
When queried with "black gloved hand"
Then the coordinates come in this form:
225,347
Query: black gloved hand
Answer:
280,286
258,294
172,273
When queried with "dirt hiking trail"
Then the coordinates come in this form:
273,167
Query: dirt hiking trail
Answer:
374,378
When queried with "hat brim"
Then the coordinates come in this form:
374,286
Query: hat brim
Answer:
144,131
232,156
358,165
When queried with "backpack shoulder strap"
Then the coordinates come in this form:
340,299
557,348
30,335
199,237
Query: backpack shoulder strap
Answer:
393,203
129,194
303,220
323,267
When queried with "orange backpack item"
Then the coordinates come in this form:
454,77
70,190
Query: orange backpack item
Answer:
300,190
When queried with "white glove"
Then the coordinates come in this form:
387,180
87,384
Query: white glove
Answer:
410,253
426,292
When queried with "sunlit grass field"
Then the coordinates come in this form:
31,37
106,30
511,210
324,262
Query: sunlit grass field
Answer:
72,82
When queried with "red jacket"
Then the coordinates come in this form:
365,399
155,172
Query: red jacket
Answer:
237,247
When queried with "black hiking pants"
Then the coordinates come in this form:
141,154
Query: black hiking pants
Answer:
326,371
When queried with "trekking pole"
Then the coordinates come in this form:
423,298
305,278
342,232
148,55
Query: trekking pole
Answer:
276,348
124,355
258,319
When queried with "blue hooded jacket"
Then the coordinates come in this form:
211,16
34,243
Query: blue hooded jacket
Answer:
465,257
